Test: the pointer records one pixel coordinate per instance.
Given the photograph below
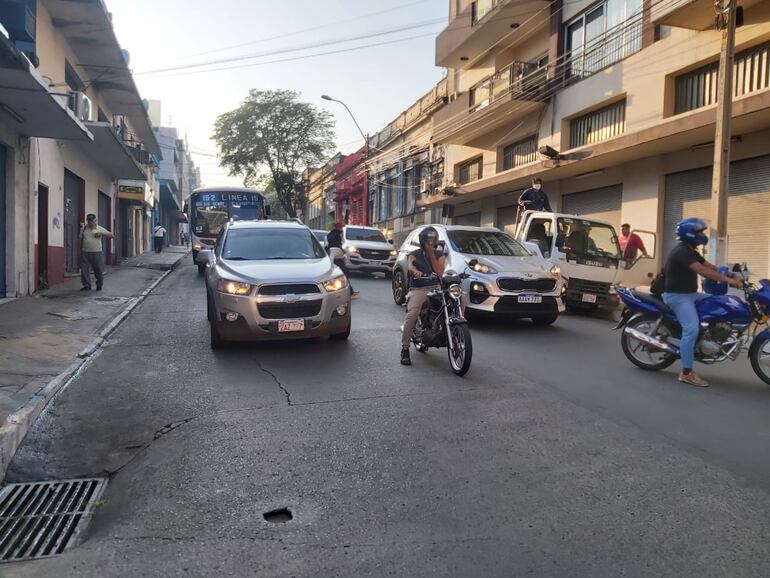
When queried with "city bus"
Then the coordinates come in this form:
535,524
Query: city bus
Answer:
209,208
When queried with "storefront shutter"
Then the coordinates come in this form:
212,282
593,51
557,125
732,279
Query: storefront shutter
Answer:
688,194
471,219
602,204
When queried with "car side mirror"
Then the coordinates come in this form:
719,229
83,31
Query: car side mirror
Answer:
472,263
390,241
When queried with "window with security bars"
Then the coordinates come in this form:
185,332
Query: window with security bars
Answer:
598,125
520,153
470,171
751,72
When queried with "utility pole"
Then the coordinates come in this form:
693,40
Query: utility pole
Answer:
726,14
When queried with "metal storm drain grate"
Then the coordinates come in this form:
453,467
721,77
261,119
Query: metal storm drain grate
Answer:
42,519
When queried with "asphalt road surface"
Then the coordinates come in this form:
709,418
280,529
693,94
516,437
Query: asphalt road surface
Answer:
552,457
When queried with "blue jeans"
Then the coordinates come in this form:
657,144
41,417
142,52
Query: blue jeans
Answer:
683,305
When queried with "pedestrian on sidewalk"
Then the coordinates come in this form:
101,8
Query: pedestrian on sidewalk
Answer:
158,234
91,252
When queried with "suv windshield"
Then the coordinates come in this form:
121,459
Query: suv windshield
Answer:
356,234
486,243
588,240
264,244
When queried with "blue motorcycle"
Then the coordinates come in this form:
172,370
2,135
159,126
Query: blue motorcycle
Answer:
651,333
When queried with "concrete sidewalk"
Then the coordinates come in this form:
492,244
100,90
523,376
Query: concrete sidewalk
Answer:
46,337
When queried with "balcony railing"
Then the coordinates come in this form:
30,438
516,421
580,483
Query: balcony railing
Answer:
613,46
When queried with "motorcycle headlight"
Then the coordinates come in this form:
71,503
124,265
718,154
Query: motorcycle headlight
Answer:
335,284
233,287
483,268
555,271
455,291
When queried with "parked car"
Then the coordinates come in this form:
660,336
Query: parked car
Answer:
320,234
367,250
273,280
506,278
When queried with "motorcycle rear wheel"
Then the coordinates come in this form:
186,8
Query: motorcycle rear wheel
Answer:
641,354
460,348
759,354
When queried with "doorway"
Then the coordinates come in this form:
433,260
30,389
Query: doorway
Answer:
42,237
74,207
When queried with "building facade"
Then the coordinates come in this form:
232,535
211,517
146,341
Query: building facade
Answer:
74,139
624,94
404,166
320,192
351,188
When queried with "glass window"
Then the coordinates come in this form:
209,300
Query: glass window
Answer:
540,232
360,234
582,239
210,217
486,243
470,171
269,244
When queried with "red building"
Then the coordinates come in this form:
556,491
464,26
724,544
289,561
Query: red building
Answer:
351,184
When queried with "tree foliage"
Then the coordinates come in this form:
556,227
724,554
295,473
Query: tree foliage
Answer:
270,139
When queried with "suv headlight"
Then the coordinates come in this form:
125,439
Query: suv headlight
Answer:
393,252
555,271
233,287
351,249
483,268
335,284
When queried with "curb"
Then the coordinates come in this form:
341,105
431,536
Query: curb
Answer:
16,426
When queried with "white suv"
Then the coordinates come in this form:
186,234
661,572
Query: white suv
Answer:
367,250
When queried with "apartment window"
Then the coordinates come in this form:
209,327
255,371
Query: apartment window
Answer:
603,35
520,153
481,8
598,125
751,72
470,171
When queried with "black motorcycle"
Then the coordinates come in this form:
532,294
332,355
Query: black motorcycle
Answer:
441,324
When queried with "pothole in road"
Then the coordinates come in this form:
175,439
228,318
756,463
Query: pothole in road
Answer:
280,516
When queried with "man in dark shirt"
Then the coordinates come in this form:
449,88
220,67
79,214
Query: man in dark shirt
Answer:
334,241
534,199
681,271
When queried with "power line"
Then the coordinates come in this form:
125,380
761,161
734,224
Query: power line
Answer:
311,29
294,48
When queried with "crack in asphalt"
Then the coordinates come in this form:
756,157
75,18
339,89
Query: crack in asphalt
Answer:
285,391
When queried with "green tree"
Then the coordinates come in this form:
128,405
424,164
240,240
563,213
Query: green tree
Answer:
270,139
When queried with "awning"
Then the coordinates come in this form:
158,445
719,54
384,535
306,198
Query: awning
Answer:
108,152
26,103
167,196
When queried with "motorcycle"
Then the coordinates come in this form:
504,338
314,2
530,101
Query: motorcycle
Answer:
651,333
441,323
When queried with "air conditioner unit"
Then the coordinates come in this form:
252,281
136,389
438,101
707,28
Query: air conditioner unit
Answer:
424,186
80,104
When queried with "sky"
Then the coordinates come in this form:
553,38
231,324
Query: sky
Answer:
377,82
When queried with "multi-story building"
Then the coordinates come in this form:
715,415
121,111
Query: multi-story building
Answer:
320,192
351,188
624,94
74,139
167,211
403,166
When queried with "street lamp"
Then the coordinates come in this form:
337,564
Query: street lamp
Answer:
366,143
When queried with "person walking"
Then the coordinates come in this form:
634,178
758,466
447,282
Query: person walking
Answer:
680,280
426,266
334,241
91,253
630,243
158,234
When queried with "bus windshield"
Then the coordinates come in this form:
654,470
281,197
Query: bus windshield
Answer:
211,210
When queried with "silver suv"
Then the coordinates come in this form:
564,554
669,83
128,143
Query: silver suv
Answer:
273,280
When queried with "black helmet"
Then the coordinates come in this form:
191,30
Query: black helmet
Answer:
427,234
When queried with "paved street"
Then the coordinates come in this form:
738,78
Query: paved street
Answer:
553,456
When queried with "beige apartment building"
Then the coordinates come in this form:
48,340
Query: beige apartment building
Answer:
624,94
75,138
319,184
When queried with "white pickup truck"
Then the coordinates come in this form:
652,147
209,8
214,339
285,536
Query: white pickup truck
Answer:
587,253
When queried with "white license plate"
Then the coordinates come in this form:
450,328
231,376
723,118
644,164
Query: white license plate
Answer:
286,325
530,299
589,298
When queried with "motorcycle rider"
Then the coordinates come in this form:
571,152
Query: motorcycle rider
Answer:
680,278
422,265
